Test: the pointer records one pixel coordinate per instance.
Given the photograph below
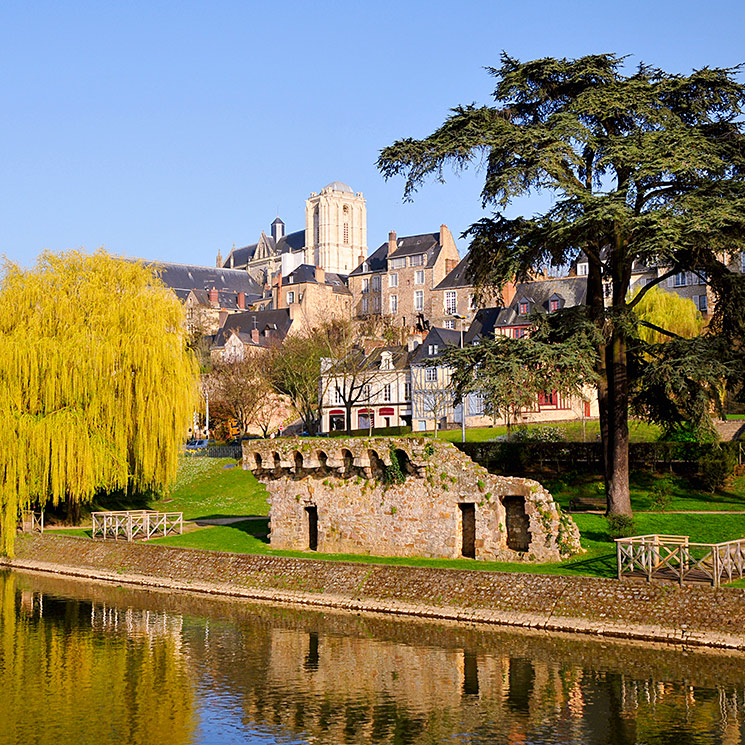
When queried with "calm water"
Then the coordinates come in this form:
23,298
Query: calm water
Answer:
83,663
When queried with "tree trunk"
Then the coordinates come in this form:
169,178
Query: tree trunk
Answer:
616,449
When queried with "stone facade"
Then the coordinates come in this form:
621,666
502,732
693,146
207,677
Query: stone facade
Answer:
404,497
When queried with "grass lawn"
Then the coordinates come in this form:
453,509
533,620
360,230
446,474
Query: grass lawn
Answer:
573,432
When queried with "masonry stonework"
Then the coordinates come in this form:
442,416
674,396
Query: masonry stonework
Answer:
404,497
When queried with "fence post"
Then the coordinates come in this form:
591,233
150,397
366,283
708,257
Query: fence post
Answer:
618,558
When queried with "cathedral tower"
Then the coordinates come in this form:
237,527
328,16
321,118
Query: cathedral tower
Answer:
335,228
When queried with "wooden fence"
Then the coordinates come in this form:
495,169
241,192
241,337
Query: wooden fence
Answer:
31,521
131,524
676,558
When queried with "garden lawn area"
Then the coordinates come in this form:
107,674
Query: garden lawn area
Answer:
250,537
685,494
213,487
638,432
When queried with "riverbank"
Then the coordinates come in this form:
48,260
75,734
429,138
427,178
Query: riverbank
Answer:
696,616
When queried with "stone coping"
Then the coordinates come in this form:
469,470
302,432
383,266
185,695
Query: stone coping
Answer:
693,616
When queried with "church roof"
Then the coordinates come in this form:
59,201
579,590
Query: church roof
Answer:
290,242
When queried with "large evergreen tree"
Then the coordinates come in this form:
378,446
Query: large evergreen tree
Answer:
96,384
643,167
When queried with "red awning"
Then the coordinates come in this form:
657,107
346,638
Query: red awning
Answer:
366,411
336,411
387,411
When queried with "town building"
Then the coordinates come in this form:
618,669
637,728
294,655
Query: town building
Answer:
370,388
250,332
397,280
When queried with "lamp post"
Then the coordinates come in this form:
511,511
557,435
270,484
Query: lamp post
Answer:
462,403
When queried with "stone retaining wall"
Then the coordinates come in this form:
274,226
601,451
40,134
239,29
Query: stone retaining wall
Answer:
690,615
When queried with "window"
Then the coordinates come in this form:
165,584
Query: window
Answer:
365,305
433,349
376,304
290,298
553,305
416,260
338,398
393,301
393,280
418,300
450,324
376,283
366,392
387,393
680,280
548,398
430,374
475,404
451,302
472,302
421,425
702,303
407,391
346,233
398,263
520,332
365,284
524,307
419,277
582,269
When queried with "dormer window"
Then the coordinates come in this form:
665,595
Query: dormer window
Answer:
386,361
432,349
524,307
582,269
553,305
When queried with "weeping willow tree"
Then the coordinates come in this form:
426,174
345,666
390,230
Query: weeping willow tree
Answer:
665,315
96,383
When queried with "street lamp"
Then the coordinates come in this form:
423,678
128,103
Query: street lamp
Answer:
462,403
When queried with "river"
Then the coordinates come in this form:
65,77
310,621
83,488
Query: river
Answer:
85,662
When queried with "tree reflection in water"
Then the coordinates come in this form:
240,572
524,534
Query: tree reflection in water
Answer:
102,664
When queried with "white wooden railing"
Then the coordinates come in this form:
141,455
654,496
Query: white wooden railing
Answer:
131,524
677,558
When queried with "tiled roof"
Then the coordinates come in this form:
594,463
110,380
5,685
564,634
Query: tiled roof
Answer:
439,338
182,278
409,245
276,322
458,277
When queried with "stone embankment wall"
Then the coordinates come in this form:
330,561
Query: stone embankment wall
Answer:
404,497
659,612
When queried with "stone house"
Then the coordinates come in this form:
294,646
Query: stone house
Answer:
397,280
250,332
374,390
404,497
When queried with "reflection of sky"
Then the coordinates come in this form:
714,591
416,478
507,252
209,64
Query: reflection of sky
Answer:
220,720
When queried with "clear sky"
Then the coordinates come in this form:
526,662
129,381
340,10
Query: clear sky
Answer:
169,130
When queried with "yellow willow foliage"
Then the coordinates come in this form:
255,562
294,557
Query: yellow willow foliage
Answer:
671,312
96,383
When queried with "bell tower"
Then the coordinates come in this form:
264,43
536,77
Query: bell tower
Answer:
335,228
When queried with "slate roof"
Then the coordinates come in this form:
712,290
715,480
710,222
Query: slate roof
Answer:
290,242
570,291
183,278
277,322
437,336
306,273
458,277
408,245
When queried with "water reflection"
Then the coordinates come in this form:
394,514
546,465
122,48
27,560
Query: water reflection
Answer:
107,664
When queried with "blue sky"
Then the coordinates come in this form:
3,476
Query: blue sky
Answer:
169,130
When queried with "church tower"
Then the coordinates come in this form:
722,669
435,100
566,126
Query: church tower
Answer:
335,228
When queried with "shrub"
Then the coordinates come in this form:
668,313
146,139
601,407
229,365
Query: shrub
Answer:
538,434
715,466
662,493
620,526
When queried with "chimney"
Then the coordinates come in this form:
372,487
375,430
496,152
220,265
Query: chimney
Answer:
242,300
255,336
218,262
508,293
320,275
391,242
214,297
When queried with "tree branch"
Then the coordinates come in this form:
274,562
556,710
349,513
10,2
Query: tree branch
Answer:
644,290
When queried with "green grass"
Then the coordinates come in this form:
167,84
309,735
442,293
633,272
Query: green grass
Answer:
573,432
214,487
686,494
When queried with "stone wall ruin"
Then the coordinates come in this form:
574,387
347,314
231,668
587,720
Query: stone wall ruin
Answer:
404,497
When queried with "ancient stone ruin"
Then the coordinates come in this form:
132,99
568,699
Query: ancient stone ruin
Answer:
404,497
